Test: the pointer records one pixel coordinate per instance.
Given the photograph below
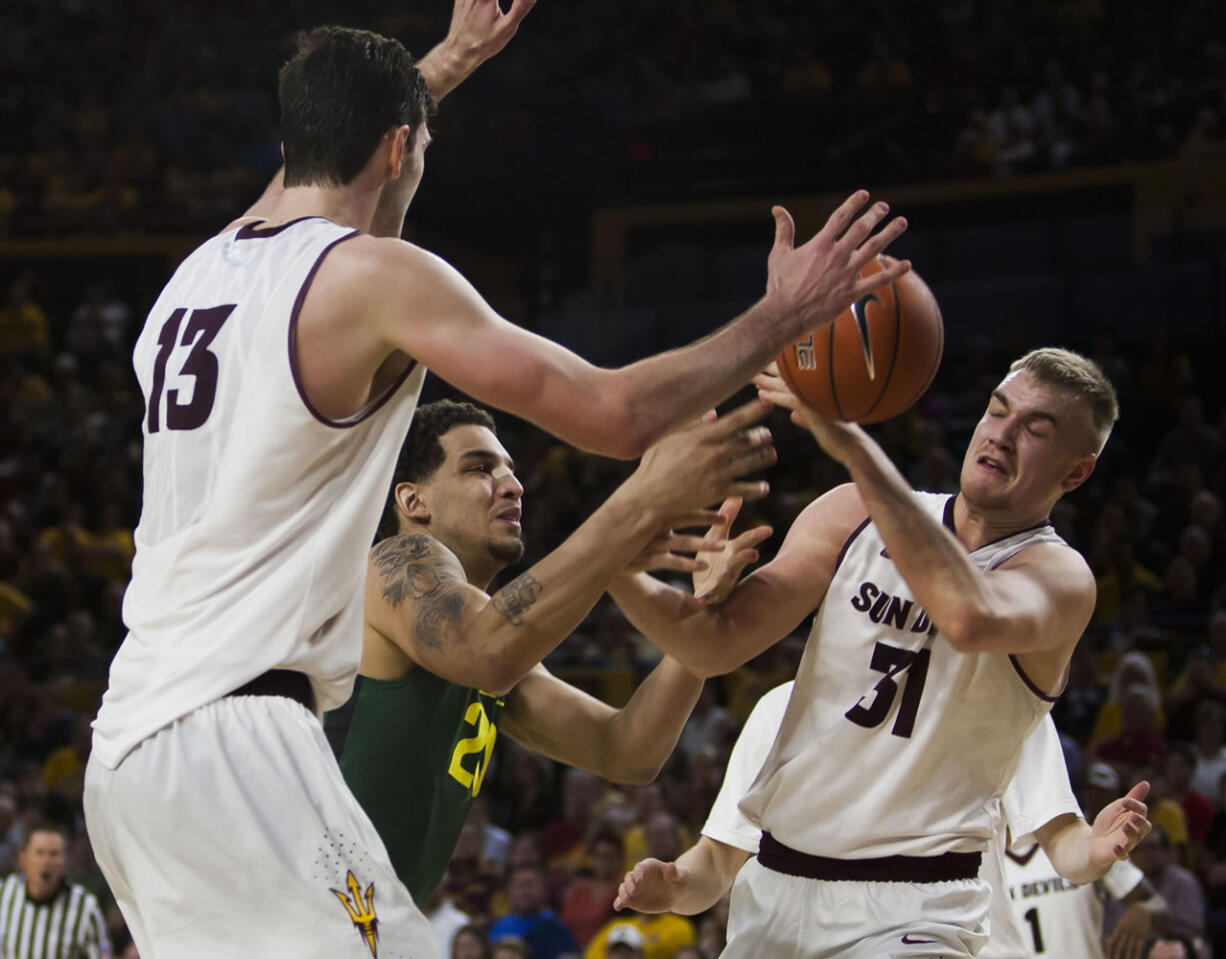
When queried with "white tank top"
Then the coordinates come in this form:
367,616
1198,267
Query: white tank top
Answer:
893,742
1060,919
258,511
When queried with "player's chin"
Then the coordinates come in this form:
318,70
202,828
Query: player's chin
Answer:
507,549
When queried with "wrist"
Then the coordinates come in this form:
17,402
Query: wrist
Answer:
447,65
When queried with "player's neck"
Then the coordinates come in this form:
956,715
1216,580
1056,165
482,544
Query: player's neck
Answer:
345,206
977,527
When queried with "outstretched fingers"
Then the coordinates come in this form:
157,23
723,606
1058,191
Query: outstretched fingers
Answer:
860,229
840,219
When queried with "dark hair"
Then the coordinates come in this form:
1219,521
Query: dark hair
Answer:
340,93
45,825
1186,750
472,929
422,453
609,836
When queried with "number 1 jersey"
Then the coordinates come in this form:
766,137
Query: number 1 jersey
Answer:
893,742
257,511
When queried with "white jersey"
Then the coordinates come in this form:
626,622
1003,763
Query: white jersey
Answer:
726,823
895,743
258,511
1062,919
1038,793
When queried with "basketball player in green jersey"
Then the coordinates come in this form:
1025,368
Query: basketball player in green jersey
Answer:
445,666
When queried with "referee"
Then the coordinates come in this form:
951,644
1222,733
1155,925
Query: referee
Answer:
41,915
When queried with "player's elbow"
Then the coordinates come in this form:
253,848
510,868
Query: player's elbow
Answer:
497,673
620,434
966,628
621,428
633,768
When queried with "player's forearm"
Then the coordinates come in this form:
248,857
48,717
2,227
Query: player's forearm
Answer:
446,66
934,564
1070,850
526,619
707,869
673,623
660,392
640,737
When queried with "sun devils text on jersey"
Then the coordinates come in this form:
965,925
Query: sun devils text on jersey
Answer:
893,742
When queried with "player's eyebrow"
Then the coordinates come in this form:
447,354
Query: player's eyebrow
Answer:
489,457
1033,414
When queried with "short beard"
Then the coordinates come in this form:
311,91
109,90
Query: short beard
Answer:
506,551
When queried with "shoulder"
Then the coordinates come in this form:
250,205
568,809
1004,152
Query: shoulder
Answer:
835,514
1059,566
410,564
363,258
824,527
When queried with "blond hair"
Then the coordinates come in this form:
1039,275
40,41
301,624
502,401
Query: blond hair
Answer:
1079,375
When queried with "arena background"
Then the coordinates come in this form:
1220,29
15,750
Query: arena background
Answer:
607,181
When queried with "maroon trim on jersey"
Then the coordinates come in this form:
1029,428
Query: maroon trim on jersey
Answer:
847,544
252,231
1030,684
371,408
1022,858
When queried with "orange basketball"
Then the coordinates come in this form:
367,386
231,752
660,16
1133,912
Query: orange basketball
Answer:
876,359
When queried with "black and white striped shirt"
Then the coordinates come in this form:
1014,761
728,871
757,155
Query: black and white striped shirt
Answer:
70,925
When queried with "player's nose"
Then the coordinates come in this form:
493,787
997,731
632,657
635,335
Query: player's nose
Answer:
510,487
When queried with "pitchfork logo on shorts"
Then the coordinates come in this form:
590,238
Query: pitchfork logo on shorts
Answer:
361,911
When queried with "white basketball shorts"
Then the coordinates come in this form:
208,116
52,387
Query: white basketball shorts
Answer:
230,834
776,916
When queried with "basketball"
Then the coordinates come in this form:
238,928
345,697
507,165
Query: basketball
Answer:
876,359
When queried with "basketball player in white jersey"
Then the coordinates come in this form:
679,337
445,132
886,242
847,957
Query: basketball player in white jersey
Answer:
942,633
1038,800
280,367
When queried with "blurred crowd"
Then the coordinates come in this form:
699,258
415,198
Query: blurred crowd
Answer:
542,855
117,116
129,117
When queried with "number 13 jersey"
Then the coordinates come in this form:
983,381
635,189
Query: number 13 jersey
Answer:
893,742
258,511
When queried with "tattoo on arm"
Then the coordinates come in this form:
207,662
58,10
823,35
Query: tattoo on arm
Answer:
413,570
516,598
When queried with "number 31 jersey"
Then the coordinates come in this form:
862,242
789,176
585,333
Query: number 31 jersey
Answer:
893,742
258,511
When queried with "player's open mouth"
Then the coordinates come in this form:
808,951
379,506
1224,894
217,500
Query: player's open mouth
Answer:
510,516
994,465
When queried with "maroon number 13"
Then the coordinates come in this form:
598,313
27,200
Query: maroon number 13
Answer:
202,328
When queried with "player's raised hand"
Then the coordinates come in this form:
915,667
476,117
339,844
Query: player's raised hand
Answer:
1120,826
833,436
704,463
818,280
651,886
670,549
718,576
478,30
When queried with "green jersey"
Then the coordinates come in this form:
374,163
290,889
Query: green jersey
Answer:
415,752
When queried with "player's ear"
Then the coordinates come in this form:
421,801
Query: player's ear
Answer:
401,138
1079,473
411,502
